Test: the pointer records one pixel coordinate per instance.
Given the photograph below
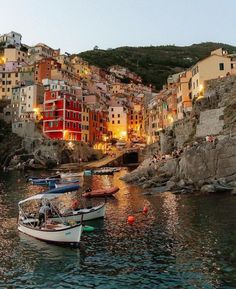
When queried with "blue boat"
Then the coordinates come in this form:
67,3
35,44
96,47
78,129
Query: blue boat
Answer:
62,190
44,182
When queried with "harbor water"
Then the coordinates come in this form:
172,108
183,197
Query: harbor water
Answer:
184,241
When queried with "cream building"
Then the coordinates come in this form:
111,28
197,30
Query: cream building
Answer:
218,64
118,121
14,54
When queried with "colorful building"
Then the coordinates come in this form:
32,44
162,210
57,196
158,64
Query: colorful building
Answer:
98,125
184,94
135,122
118,121
62,112
216,65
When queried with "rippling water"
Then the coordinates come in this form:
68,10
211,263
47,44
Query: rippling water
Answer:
183,242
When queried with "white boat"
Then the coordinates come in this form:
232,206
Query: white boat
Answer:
71,175
57,231
86,213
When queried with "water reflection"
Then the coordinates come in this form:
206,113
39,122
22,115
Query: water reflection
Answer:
183,242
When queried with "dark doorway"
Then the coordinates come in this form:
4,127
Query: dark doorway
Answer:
130,158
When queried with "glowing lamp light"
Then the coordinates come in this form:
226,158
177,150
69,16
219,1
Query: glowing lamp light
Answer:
170,119
200,87
70,145
65,134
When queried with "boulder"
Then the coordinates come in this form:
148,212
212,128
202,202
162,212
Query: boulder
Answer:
205,189
170,185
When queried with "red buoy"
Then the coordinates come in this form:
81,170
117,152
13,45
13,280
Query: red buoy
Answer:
130,220
145,210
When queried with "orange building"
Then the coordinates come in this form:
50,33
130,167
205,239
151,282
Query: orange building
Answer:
184,94
98,124
43,69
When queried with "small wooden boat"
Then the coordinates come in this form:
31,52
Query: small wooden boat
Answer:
86,213
98,172
62,190
57,233
51,231
103,172
71,175
101,193
45,182
65,182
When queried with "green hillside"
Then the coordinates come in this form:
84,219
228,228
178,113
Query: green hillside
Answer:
155,63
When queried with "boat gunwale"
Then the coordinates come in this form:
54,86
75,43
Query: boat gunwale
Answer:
51,231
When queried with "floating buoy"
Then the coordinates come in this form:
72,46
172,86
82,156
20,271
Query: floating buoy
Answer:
130,220
88,228
145,210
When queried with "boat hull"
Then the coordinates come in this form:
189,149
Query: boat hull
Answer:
63,234
101,193
88,214
71,175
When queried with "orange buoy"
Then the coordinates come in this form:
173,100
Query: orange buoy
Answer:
145,210
130,220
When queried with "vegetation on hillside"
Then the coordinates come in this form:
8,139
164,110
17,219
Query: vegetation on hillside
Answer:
155,63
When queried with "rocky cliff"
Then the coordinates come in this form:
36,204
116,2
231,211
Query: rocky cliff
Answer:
203,166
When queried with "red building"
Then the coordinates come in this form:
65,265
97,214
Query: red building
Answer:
98,124
62,113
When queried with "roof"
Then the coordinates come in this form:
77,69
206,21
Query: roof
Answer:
51,194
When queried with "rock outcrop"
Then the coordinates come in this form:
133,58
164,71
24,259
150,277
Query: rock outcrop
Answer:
204,167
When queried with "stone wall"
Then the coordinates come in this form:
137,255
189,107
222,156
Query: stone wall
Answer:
211,122
184,131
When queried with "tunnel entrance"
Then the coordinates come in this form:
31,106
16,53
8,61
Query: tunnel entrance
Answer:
130,158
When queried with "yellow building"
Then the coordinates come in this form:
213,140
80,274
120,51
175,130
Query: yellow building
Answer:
8,79
118,121
218,64
85,123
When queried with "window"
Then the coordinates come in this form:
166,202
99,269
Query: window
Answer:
113,122
112,109
118,115
113,115
221,66
118,122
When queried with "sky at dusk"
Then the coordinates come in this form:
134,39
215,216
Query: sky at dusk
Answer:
79,25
